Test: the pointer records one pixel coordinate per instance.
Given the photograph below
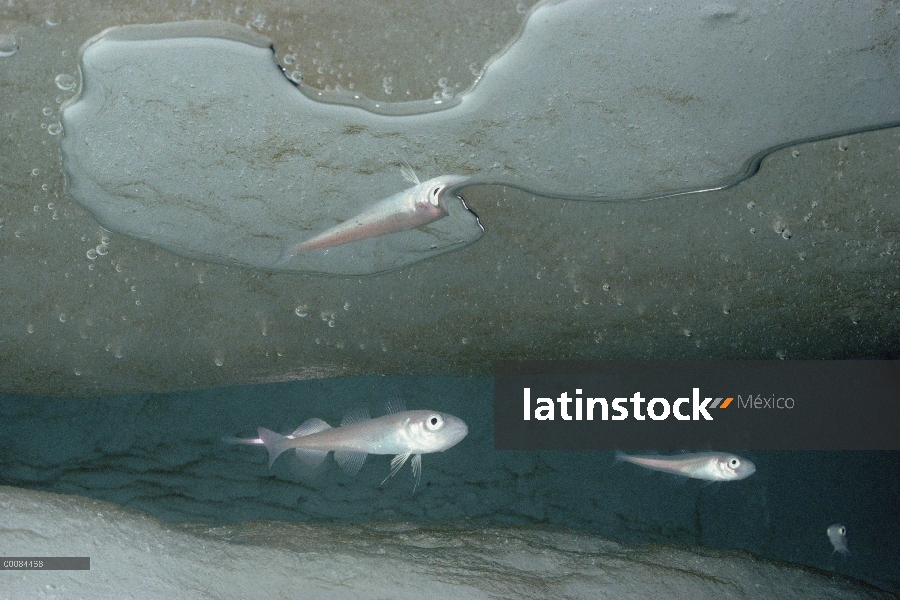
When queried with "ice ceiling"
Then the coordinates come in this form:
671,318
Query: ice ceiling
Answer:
594,100
798,261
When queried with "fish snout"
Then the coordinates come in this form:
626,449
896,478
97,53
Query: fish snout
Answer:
455,429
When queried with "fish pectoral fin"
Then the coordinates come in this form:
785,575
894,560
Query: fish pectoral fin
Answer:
350,461
397,462
417,469
312,458
408,173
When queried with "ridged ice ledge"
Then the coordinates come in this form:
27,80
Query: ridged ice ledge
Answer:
148,559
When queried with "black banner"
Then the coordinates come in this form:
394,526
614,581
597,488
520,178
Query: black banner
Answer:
697,405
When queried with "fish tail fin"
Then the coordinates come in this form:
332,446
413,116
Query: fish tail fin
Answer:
620,457
288,251
275,443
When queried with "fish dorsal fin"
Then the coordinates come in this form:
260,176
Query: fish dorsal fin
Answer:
309,427
355,415
395,403
350,461
408,173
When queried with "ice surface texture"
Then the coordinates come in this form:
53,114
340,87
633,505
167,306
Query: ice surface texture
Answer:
136,556
189,136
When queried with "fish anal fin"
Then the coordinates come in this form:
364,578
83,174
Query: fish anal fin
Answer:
309,427
355,415
311,458
350,460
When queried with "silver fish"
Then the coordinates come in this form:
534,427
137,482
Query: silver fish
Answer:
413,207
403,433
710,466
837,535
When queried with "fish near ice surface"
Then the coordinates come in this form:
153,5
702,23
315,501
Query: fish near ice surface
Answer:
412,208
403,433
243,182
264,164
709,466
837,535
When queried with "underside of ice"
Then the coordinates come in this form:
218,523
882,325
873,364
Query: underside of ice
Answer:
188,135
799,261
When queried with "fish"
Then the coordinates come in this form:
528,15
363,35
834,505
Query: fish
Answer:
413,207
709,466
837,535
403,433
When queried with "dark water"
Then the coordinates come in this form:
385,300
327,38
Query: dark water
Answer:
162,453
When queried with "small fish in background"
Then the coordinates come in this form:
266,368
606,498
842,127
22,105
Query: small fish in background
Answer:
837,535
401,432
709,466
413,207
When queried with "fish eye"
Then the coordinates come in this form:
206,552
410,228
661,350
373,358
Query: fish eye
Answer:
434,422
734,463
435,194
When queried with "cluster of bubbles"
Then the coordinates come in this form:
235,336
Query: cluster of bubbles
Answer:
66,83
102,249
51,206
258,21
779,225
54,128
446,92
295,74
328,317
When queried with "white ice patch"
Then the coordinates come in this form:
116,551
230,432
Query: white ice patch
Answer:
136,556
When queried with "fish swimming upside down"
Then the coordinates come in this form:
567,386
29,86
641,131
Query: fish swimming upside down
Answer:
412,208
